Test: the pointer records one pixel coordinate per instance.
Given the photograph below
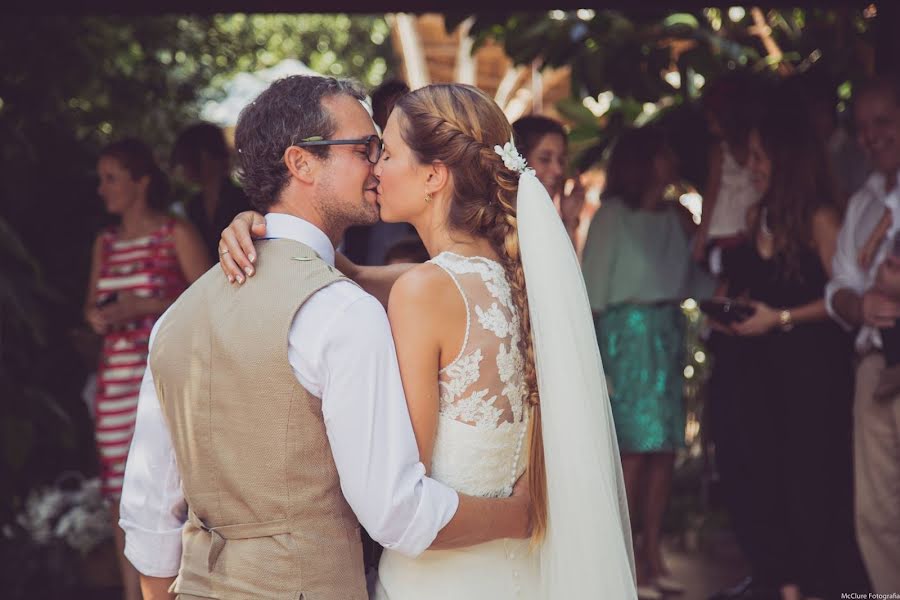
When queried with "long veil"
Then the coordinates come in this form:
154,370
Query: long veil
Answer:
587,552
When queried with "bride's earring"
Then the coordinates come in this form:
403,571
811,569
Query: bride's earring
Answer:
427,198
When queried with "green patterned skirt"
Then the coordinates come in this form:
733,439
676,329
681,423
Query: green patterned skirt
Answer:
643,350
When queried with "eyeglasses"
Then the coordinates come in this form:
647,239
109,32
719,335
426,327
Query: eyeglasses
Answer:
372,143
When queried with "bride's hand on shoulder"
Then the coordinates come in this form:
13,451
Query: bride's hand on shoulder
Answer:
236,251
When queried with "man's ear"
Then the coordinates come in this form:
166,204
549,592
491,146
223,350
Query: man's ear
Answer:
437,178
301,164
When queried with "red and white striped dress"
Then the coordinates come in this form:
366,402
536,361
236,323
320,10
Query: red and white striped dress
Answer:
148,267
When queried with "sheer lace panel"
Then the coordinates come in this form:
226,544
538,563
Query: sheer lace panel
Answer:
484,386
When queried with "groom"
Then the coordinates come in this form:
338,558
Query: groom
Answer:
272,420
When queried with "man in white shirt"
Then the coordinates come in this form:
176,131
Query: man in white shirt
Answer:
855,303
310,170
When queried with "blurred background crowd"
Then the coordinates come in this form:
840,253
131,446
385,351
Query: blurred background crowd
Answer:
729,180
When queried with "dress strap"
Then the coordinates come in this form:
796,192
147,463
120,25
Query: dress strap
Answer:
439,261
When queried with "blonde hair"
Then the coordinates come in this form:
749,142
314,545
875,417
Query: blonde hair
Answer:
459,125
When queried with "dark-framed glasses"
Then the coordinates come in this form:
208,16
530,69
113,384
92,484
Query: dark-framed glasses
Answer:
372,143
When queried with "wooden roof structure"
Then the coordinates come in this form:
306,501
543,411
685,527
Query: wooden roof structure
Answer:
429,54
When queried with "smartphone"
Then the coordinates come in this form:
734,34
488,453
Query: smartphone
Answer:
727,310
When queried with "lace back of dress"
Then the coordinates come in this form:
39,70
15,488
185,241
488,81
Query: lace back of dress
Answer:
484,386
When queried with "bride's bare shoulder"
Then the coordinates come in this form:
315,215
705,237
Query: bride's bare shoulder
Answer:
424,289
422,282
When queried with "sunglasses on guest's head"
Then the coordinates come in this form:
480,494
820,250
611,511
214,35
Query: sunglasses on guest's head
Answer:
372,143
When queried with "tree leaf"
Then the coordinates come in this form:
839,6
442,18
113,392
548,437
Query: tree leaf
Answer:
578,113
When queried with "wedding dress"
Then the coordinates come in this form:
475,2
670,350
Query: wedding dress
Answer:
479,448
587,550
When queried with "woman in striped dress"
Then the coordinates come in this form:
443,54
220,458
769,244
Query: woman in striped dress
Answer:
138,269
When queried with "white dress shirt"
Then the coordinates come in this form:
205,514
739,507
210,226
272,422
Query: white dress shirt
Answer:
346,357
866,208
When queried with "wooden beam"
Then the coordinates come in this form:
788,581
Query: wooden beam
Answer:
514,78
465,62
411,51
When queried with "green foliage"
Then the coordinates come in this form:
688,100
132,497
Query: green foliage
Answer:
107,77
650,56
39,408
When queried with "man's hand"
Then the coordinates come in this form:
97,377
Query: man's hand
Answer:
878,309
479,520
522,492
236,252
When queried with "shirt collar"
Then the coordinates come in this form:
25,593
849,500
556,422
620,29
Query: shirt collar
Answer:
283,226
877,184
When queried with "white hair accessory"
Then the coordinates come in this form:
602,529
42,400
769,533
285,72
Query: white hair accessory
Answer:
512,159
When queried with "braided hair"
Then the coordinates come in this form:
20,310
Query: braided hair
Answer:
459,125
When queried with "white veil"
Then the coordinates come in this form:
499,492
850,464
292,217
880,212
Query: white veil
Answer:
587,552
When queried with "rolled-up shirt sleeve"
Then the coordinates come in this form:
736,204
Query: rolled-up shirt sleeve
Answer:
371,436
153,509
846,271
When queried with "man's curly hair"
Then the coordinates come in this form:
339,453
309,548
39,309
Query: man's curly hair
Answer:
289,111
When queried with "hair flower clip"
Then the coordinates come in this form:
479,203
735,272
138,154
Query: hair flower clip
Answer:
512,160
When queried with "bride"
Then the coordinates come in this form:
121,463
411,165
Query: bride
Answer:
497,353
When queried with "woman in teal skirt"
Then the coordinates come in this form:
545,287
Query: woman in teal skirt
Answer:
638,269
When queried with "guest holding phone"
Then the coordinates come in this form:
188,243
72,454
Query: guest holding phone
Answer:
793,385
638,269
139,267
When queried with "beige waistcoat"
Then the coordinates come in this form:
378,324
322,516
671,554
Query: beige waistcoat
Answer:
266,515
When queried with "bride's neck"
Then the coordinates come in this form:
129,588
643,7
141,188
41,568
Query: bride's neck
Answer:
438,238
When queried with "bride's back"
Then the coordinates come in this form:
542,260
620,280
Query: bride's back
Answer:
479,446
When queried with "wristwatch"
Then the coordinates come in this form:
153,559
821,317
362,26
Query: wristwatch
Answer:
785,320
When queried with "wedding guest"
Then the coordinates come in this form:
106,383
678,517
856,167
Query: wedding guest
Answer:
637,268
793,386
201,155
138,269
730,104
855,301
846,158
543,143
384,97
